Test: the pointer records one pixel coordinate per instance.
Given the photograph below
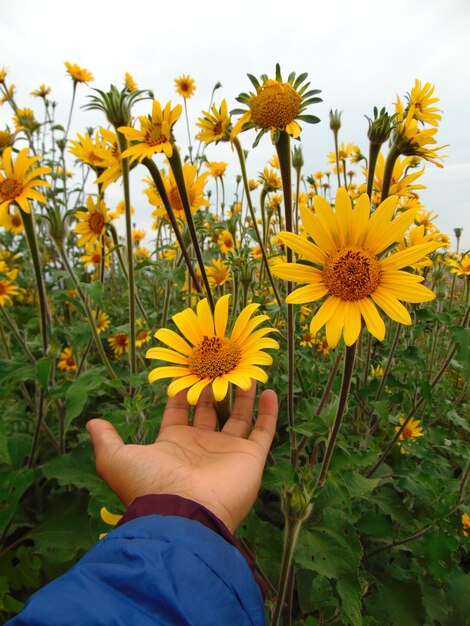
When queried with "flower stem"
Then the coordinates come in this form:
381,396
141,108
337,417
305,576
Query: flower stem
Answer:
374,151
130,257
177,169
284,155
241,158
343,396
157,179
392,156
30,231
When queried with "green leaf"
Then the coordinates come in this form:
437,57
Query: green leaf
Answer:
78,392
95,291
4,454
15,371
438,549
310,119
12,487
75,468
43,369
333,550
461,337
397,603
436,603
358,485
459,600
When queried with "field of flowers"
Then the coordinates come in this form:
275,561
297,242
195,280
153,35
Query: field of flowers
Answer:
332,286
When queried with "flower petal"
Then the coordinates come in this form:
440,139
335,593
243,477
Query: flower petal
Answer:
308,293
375,324
169,371
181,383
172,339
391,306
195,391
302,246
220,388
324,313
221,315
164,354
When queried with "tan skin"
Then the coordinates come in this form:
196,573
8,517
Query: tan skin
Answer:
220,469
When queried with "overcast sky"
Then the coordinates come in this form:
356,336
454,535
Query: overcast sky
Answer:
360,54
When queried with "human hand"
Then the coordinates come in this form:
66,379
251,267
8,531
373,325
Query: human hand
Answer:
221,470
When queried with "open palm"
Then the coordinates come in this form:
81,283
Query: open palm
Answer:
221,470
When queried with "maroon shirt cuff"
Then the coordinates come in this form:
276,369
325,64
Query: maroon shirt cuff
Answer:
167,504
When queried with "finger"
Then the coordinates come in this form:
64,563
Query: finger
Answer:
106,441
205,414
265,426
241,418
176,412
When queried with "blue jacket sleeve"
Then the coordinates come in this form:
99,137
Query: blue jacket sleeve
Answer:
153,570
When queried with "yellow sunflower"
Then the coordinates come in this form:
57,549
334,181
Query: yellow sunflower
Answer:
194,187
119,343
218,273
7,290
92,223
103,321
130,83
78,74
225,241
185,86
215,125
216,168
410,433
466,524
403,182
41,92
348,268
66,361
276,106
205,355
154,134
420,103
24,119
18,185
461,266
12,222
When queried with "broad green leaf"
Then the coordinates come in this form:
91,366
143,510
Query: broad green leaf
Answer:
4,454
79,391
43,368
12,487
95,291
438,549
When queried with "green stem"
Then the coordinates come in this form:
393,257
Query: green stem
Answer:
157,179
190,147
241,158
291,535
335,135
374,151
89,314
130,257
30,231
177,169
14,328
392,156
388,365
284,155
343,396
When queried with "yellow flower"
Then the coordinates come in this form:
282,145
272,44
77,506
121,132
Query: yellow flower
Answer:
130,83
92,223
7,290
185,86
66,361
205,355
322,346
119,343
87,150
103,321
218,273
78,74
194,188
420,101
24,120
225,241
377,371
270,179
216,168
276,106
465,523
142,337
154,134
18,185
138,234
215,126
94,255
402,183
12,222
348,268
3,73
306,340
410,433
42,92
462,267
344,152
6,139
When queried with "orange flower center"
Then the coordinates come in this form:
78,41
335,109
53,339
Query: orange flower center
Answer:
175,201
352,274
155,137
214,356
406,434
10,189
3,289
275,106
217,130
16,220
121,340
96,222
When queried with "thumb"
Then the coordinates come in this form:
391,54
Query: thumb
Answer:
106,441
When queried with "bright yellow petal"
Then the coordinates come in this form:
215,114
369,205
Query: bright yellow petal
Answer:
172,339
181,383
250,327
352,322
409,293
204,315
242,320
220,388
195,391
410,255
303,247
343,211
109,518
316,231
297,273
334,326
360,219
257,358
379,221
394,232
391,306
327,218
164,354
309,293
240,380
254,372
170,371
221,315
324,313
188,325
375,324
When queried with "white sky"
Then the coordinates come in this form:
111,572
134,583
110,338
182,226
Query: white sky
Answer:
360,54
